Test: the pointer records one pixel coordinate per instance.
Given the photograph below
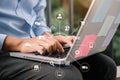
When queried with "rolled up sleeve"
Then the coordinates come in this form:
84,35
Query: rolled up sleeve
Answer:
2,39
40,26
41,30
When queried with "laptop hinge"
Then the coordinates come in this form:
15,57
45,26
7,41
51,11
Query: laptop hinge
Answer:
67,63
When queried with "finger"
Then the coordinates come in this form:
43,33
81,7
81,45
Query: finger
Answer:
65,39
69,40
46,43
41,40
55,45
51,44
39,49
59,47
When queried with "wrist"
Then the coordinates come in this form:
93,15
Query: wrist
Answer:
12,43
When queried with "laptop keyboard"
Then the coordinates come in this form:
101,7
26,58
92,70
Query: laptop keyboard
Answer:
55,54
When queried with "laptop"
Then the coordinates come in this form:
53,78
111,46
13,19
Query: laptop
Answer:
95,33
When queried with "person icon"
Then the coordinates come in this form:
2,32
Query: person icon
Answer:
59,16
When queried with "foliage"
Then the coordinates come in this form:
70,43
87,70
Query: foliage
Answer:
116,46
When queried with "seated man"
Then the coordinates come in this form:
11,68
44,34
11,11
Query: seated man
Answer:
22,22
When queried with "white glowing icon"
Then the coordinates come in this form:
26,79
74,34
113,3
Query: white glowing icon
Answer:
84,67
52,63
59,74
77,52
91,45
67,28
59,16
37,23
27,44
36,67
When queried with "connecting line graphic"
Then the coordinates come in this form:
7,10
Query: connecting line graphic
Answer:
60,73
59,25
59,17
84,67
59,64
75,60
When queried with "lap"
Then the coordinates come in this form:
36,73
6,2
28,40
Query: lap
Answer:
21,69
101,68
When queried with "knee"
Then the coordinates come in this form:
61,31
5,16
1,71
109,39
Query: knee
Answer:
111,69
111,65
107,62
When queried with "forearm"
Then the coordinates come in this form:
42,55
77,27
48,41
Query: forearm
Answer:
11,44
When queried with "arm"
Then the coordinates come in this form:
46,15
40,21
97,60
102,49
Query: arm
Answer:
41,27
2,38
11,43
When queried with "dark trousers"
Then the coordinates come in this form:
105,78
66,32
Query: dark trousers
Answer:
101,68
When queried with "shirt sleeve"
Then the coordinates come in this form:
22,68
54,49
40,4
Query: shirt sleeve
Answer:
39,26
2,38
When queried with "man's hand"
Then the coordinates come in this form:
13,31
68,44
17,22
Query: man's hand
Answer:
39,44
65,39
62,39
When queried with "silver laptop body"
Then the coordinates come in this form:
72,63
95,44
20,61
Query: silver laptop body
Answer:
94,35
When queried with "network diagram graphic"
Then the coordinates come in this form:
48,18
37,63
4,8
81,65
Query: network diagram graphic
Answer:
61,27
60,73
64,30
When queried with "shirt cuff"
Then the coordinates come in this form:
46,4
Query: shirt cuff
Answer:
41,30
2,39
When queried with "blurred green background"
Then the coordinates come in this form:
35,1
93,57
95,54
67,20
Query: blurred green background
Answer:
116,46
80,8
